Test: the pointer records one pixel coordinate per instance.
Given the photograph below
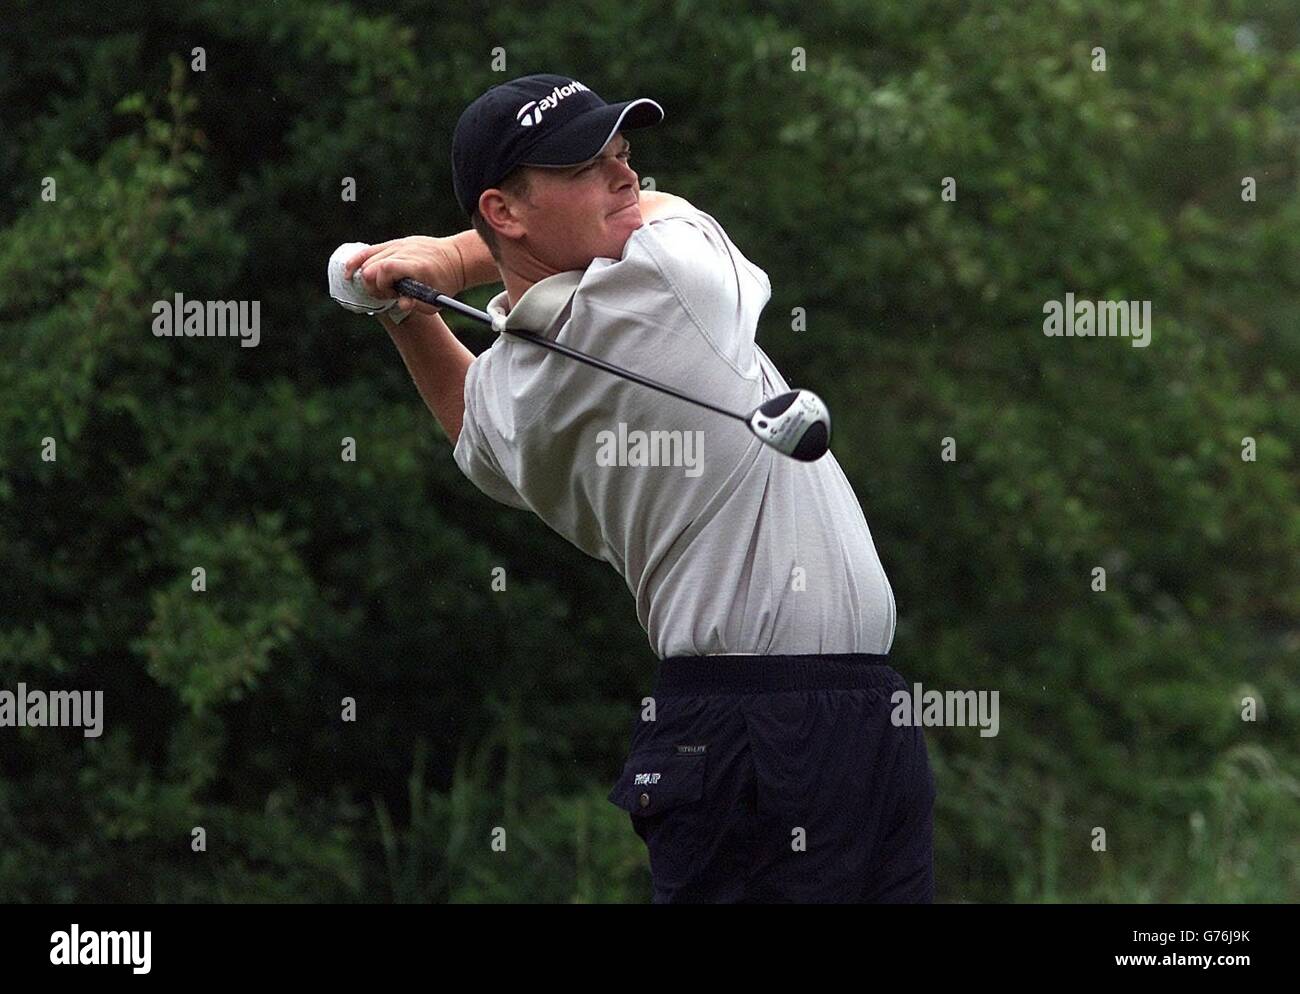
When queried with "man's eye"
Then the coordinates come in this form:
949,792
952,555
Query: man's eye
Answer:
625,155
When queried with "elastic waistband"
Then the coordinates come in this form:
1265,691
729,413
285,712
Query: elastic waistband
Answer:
739,674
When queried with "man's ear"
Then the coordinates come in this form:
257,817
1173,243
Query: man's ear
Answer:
499,212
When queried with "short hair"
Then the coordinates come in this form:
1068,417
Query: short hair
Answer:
516,184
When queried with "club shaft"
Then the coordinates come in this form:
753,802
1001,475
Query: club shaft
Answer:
413,288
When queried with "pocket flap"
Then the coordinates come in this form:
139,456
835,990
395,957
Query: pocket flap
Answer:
656,781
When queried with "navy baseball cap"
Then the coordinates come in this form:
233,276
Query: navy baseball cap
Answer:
540,120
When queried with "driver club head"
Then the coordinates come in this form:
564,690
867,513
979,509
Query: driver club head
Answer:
796,424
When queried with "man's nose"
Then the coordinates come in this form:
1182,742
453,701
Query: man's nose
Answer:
624,174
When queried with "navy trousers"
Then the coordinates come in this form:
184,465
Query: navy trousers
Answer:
780,779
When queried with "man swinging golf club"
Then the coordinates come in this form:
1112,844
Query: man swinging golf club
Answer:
764,766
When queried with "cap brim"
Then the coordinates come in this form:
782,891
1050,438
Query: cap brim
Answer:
583,137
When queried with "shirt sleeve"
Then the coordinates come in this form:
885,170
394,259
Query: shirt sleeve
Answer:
720,290
474,452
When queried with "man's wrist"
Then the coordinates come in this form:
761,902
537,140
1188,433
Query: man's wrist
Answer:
478,268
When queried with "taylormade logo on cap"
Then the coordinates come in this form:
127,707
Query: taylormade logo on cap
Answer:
531,112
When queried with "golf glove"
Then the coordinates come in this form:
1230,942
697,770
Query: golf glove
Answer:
352,294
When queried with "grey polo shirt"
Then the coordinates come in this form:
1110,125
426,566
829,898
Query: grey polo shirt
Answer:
727,546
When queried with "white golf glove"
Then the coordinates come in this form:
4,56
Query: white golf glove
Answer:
352,294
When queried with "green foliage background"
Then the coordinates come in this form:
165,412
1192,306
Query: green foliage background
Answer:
370,579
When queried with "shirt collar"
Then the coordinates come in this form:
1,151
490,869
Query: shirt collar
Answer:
541,305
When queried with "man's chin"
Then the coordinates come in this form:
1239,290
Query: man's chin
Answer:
625,230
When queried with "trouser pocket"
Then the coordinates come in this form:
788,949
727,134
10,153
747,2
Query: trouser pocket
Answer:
662,790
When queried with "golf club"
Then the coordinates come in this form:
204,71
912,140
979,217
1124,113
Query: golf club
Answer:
796,424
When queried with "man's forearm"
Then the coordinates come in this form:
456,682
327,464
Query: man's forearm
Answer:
479,267
437,362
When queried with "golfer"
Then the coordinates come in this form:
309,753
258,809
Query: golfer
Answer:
763,767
